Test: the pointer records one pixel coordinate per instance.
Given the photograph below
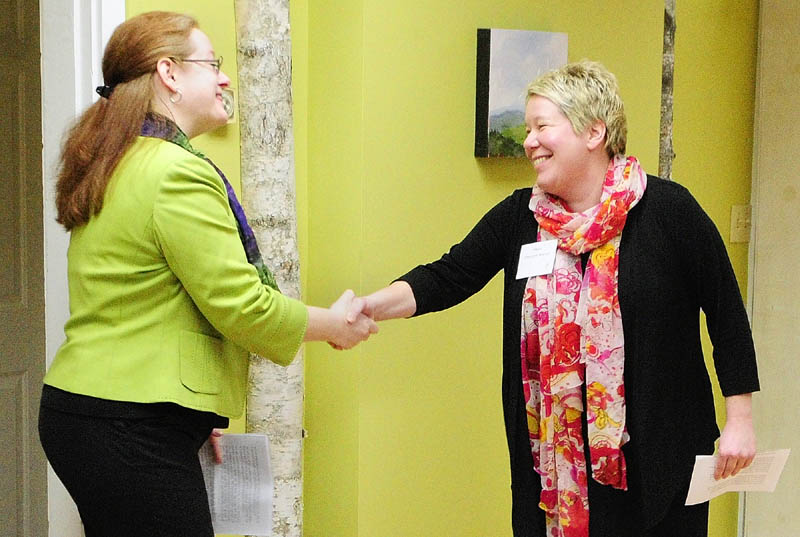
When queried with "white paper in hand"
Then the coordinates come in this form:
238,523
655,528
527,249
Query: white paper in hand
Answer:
761,475
240,489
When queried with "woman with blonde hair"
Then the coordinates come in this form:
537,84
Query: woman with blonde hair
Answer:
606,396
168,291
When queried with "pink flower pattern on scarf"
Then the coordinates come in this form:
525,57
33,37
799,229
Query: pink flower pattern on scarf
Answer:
571,336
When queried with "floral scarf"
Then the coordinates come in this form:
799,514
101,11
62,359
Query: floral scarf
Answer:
571,336
157,126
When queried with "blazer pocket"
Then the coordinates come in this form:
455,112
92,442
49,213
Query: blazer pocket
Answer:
201,362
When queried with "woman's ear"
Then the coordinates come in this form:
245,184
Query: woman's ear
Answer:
596,135
165,72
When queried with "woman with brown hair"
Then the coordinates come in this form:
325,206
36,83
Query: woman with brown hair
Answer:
168,291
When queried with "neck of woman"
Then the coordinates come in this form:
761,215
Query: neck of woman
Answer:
160,105
590,189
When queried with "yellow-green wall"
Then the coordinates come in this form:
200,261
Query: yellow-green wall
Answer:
405,432
715,67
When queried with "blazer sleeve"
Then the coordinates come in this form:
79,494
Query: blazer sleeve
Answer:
468,266
197,233
714,284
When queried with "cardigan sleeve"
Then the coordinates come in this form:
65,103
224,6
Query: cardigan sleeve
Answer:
469,265
713,282
197,233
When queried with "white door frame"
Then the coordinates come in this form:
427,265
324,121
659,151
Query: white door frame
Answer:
73,35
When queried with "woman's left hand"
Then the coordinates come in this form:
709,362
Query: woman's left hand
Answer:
215,439
737,444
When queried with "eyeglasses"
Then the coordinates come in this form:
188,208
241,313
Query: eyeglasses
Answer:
216,63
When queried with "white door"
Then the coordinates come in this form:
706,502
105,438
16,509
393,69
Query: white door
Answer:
23,480
775,263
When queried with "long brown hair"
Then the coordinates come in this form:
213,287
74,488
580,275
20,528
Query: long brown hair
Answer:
98,140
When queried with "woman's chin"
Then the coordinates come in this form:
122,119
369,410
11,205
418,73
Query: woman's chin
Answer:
223,116
219,121
543,182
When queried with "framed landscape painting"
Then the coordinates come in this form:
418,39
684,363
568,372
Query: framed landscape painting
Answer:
507,61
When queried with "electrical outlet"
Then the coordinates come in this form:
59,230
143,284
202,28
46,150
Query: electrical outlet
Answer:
740,223
229,103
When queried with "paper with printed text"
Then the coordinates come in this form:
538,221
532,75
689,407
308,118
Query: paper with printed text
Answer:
240,489
761,475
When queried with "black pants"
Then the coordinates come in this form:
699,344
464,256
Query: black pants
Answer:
131,477
612,513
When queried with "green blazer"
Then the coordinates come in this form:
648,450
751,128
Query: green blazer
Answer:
163,303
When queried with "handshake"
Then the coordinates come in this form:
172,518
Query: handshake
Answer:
351,319
355,321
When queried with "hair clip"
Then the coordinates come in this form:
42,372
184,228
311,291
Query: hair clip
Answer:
104,91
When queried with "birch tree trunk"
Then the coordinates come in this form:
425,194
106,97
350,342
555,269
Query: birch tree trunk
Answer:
275,401
666,153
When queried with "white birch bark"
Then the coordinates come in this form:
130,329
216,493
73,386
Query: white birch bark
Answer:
275,401
666,153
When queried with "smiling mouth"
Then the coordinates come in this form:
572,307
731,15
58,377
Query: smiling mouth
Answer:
539,160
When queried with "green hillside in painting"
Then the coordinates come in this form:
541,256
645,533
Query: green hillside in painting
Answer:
506,134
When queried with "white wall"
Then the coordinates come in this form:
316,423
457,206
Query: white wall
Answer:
73,35
775,296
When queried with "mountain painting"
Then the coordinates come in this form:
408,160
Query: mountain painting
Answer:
507,61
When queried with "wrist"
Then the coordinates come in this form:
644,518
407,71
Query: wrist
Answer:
739,407
323,324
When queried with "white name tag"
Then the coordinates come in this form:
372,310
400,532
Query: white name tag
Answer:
537,258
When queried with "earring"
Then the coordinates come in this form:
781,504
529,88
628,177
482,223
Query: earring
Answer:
172,98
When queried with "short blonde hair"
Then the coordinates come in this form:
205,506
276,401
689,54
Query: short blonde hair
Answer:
586,92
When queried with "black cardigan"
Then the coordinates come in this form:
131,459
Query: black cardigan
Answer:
672,263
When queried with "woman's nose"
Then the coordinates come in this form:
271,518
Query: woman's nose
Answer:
530,141
224,81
